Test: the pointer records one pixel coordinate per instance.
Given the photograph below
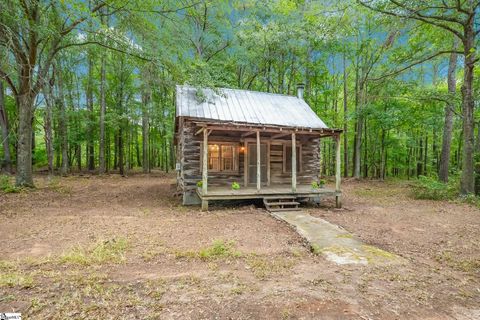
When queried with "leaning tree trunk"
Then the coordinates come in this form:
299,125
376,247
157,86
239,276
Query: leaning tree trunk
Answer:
448,126
467,183
4,129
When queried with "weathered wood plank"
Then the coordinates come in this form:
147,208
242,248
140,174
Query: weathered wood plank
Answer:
259,169
294,163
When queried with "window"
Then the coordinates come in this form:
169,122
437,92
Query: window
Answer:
287,160
213,157
227,158
221,157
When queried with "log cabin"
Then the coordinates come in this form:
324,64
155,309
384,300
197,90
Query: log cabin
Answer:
238,144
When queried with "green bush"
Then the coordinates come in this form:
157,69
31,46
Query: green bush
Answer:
235,186
431,188
315,185
199,184
6,186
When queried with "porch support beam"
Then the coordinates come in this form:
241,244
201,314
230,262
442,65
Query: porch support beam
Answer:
338,175
279,135
294,163
200,130
259,169
205,170
246,134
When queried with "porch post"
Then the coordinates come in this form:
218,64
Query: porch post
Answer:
294,163
259,169
338,177
205,169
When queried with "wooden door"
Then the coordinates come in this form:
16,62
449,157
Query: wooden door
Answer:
252,163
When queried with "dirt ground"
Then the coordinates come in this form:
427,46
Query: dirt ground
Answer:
89,247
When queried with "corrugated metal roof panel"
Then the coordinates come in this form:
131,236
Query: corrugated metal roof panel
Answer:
247,107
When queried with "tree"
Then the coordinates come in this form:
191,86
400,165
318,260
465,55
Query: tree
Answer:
459,19
449,109
33,32
5,131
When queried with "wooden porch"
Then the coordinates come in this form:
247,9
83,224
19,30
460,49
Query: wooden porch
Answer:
302,191
257,182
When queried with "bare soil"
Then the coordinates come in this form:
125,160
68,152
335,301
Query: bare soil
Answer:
169,268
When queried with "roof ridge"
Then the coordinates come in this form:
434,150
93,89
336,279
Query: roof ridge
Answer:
237,89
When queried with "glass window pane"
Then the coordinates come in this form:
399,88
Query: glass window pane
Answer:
227,158
213,157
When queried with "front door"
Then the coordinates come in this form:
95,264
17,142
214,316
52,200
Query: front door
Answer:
252,163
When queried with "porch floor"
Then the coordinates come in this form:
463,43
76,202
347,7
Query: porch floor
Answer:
226,193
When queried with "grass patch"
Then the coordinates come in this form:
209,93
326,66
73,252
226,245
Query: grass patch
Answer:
219,249
151,254
108,251
16,279
465,265
10,276
263,267
316,249
6,185
374,252
344,236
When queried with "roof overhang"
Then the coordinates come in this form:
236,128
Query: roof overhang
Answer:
245,127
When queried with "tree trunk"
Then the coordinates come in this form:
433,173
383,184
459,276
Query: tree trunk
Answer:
420,159
103,110
89,94
467,182
359,132
382,156
62,125
24,176
365,153
48,127
145,130
448,124
345,122
4,128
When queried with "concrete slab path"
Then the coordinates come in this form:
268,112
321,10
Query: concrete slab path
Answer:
335,243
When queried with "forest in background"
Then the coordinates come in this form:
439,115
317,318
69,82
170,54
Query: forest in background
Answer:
90,85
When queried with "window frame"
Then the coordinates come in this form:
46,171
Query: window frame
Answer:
299,156
236,156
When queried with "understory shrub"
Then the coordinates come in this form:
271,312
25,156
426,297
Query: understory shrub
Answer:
431,188
6,186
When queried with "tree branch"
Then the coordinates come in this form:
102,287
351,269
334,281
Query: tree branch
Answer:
80,20
430,57
78,44
5,76
414,16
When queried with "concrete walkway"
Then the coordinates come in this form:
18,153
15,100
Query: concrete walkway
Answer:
335,243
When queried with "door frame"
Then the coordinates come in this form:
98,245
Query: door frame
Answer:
245,159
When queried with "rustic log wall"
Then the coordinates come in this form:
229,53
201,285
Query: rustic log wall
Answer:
310,162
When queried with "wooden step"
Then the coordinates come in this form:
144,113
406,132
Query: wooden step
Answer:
281,203
284,209
290,203
279,197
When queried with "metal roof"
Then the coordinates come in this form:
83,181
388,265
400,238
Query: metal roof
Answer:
245,106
